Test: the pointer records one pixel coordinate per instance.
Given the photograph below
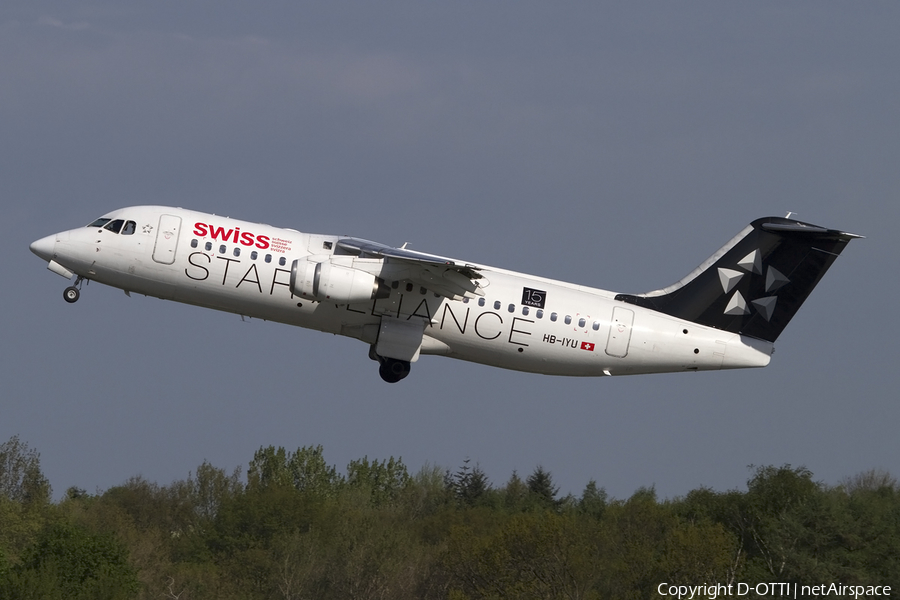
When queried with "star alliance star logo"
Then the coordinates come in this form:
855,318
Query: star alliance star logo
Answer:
148,228
751,265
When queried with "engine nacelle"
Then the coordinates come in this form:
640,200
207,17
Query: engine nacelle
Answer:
328,282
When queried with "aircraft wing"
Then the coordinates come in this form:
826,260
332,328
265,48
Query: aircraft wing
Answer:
438,274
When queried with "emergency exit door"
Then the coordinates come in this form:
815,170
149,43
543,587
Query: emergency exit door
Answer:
166,239
620,332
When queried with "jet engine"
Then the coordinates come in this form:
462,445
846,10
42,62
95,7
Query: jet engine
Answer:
329,282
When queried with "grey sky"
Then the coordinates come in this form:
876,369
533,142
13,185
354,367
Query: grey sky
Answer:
611,144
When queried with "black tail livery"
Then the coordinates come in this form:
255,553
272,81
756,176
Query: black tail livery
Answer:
754,284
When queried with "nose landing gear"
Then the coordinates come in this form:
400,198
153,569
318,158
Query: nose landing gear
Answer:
72,293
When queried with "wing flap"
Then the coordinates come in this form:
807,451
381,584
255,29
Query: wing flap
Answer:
441,275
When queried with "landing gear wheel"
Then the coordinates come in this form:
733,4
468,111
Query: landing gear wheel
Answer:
71,294
393,370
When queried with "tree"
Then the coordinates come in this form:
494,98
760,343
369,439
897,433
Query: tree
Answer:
873,479
21,479
70,562
541,488
772,514
311,474
514,493
269,468
531,555
211,486
383,481
593,500
469,485
305,470
24,497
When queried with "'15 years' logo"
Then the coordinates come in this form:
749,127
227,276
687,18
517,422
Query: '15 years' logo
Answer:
535,298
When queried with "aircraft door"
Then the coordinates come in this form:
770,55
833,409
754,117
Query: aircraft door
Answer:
620,332
166,239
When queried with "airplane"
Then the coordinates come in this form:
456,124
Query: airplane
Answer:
726,314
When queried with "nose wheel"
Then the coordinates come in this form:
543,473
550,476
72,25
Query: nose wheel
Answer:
72,293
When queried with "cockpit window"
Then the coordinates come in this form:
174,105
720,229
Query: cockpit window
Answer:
129,229
99,223
115,226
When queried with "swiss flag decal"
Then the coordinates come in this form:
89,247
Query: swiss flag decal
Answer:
587,346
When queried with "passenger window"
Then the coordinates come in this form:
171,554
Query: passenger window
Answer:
581,322
130,227
208,246
99,223
114,226
553,317
268,258
422,290
596,326
539,314
253,255
465,300
222,249
237,251
481,301
568,320
496,305
282,261
525,310
194,243
511,308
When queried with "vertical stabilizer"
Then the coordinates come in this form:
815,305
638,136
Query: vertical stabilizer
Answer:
754,284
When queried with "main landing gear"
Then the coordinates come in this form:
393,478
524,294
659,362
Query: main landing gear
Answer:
72,293
393,370
390,369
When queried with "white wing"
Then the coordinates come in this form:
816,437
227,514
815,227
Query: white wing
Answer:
437,274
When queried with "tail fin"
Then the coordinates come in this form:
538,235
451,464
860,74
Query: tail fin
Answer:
754,284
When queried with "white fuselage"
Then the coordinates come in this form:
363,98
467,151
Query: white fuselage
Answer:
521,322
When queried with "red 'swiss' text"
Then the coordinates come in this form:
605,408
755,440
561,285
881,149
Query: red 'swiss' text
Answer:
235,235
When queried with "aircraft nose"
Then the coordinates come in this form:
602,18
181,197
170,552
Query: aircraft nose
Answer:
44,247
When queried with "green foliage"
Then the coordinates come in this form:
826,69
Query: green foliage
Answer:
593,500
514,494
24,498
68,562
469,485
210,487
269,468
21,479
382,481
541,488
305,470
531,555
299,529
